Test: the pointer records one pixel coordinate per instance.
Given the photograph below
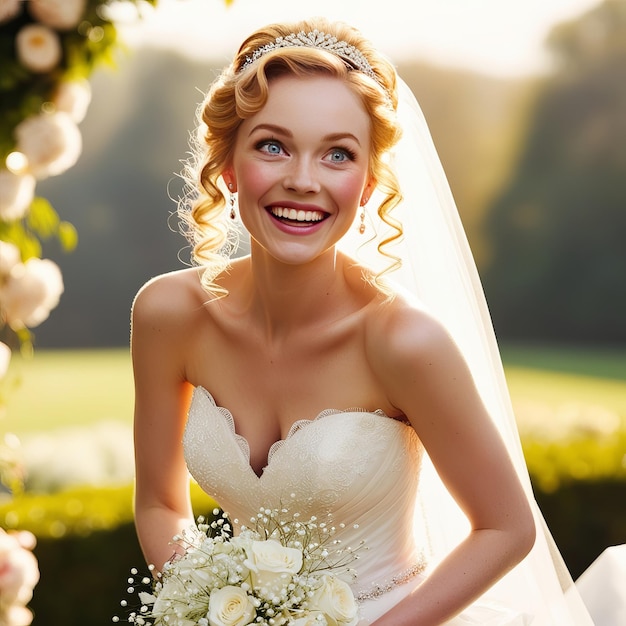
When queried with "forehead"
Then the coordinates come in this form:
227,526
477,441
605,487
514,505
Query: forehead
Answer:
314,106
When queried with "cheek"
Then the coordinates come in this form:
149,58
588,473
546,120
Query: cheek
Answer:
350,191
253,179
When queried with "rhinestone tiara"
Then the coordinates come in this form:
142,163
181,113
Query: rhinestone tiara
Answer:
353,57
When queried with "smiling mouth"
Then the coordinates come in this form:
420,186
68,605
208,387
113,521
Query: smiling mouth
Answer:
297,216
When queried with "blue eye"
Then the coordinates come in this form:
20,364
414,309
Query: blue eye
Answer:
270,147
339,155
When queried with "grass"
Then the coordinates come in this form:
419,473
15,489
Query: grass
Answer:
76,388
589,362
56,389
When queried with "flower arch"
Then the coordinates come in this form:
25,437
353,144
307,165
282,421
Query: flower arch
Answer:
48,51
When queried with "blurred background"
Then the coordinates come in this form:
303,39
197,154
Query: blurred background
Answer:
527,106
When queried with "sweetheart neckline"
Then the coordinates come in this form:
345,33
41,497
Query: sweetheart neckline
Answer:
320,415
243,444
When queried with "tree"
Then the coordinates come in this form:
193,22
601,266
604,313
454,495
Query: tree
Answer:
558,260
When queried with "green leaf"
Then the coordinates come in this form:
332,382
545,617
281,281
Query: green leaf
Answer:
42,218
68,236
15,233
29,246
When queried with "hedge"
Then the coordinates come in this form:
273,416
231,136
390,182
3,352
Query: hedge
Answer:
86,546
87,542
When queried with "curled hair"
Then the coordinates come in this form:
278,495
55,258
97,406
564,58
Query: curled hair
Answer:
238,94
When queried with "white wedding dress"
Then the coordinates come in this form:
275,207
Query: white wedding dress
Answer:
361,467
368,469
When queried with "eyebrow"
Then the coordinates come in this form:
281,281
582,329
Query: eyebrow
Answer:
280,130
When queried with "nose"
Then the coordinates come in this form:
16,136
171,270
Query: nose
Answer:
302,176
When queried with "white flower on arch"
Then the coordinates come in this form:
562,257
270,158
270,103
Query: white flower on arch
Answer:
59,14
16,195
31,290
51,143
38,48
9,258
9,9
73,97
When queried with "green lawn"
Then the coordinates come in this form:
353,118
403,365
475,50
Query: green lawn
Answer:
69,388
76,388
596,362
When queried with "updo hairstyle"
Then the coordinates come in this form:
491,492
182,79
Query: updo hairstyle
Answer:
238,94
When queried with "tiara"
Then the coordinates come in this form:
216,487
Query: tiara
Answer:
353,57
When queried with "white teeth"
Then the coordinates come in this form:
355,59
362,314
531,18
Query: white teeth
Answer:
297,215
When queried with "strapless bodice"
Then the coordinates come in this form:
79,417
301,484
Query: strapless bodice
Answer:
361,467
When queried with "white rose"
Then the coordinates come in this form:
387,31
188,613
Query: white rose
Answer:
51,143
270,563
16,194
5,359
336,600
30,292
19,572
17,615
171,593
9,258
73,97
230,606
9,9
38,48
61,14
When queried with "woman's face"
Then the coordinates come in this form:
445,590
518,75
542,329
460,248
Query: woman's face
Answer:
300,167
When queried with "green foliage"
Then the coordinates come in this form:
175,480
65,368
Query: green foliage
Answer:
585,518
556,463
558,257
24,93
80,511
42,222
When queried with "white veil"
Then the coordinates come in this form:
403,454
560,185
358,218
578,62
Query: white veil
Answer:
438,268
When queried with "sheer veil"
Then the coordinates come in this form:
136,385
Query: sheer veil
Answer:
439,270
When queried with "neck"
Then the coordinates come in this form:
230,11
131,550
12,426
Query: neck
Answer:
285,298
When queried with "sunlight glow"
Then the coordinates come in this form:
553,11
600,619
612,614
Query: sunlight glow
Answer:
489,36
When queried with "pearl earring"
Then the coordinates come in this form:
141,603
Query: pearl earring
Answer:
231,201
364,201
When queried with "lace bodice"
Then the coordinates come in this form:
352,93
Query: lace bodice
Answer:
362,467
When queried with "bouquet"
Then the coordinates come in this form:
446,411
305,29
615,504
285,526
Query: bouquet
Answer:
278,571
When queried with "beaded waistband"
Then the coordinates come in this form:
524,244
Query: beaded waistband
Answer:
378,589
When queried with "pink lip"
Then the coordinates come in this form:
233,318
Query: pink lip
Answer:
293,228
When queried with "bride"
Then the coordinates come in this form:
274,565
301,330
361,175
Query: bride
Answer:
346,365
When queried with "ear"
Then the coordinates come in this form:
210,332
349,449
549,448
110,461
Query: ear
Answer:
228,176
367,191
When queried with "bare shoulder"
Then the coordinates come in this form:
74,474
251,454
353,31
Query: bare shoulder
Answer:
410,351
169,298
401,329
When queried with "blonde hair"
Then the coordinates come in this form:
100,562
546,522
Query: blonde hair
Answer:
240,93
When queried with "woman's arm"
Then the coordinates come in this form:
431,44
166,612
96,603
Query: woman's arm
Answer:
428,380
162,502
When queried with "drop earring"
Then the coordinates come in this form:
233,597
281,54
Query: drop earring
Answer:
231,201
364,201
362,224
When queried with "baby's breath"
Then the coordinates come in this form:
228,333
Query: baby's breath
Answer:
217,563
